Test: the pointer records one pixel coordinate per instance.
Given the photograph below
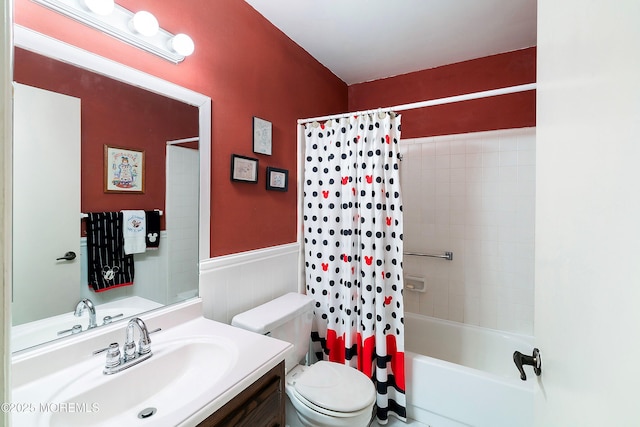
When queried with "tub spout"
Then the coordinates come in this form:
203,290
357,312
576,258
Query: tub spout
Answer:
520,359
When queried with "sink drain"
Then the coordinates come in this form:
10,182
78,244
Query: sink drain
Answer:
146,413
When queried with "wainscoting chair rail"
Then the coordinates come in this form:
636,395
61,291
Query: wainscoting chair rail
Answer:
447,255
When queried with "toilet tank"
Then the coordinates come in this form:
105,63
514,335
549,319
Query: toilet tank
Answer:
287,318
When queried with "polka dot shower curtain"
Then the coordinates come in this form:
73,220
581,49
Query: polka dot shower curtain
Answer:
353,249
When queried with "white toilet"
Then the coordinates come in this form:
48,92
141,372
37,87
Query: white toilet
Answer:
320,395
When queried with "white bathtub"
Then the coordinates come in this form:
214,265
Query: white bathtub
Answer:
463,375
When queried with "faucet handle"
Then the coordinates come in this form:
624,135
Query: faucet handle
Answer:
534,360
129,349
144,346
76,329
113,355
108,319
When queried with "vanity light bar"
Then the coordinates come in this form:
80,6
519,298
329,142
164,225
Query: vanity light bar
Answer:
117,24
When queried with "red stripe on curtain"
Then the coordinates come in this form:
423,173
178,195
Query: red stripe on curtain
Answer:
366,355
335,345
397,361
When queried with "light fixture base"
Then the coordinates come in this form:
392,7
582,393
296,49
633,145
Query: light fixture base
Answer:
116,24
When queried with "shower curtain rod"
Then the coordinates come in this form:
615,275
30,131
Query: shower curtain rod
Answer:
431,102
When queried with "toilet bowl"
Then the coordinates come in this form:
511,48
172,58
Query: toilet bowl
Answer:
330,394
324,394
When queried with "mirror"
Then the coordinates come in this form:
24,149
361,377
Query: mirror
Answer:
174,136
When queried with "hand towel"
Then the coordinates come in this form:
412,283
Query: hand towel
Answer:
153,229
133,230
108,266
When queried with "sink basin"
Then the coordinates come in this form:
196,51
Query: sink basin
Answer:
196,367
179,372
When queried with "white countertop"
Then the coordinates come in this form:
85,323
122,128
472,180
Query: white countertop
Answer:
39,375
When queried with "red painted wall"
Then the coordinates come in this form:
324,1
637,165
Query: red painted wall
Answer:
492,72
248,68
114,114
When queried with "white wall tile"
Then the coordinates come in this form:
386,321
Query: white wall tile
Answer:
442,146
526,157
490,144
457,146
508,173
473,194
527,141
473,145
443,175
491,159
473,160
458,160
490,174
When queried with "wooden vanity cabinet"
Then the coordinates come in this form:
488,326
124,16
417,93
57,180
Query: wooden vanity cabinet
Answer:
259,405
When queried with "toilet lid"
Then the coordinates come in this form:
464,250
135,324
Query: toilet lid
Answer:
335,387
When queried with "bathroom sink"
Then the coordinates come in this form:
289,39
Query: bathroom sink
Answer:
179,372
197,366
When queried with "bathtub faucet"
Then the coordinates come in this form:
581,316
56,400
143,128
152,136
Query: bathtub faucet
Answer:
86,304
520,359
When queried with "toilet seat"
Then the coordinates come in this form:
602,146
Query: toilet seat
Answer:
334,389
327,412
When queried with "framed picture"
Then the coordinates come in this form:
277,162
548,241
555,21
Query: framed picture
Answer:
244,169
123,170
277,179
261,136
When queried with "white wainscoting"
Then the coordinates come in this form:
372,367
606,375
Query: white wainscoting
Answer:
231,284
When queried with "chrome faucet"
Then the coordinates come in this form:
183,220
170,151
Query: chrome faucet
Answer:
144,345
132,354
86,304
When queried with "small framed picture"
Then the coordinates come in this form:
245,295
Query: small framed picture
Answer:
244,169
261,136
123,170
277,179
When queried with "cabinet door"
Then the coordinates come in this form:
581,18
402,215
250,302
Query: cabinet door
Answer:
260,405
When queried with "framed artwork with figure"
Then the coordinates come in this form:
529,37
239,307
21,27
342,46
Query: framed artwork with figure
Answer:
123,170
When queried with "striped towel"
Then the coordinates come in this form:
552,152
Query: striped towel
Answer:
108,265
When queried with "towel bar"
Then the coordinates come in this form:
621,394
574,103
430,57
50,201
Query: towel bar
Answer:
447,255
84,215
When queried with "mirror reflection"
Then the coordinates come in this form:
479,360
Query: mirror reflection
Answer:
75,133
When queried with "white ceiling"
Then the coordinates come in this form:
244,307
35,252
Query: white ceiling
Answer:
362,40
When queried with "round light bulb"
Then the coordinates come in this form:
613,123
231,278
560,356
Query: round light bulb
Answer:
100,7
144,23
182,44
